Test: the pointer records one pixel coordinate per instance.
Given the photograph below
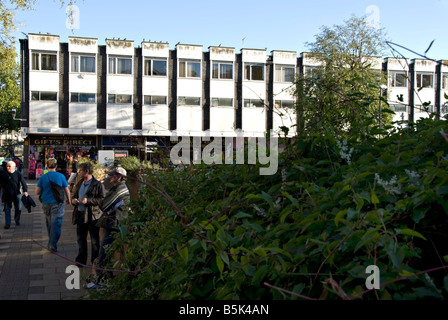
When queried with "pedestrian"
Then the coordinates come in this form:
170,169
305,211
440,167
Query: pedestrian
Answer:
2,203
87,197
13,184
114,204
53,210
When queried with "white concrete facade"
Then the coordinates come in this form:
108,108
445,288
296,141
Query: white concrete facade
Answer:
84,88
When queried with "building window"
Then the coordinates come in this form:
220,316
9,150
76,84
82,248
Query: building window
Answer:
424,80
189,101
82,97
222,102
444,108
313,72
83,63
44,61
189,69
154,100
444,80
284,104
119,98
253,103
399,108
254,71
44,96
222,70
420,108
155,67
120,65
398,79
284,73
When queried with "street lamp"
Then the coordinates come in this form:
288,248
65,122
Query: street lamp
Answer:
14,112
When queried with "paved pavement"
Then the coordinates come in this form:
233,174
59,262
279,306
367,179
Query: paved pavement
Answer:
28,270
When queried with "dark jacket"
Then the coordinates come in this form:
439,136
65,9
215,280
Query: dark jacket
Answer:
28,202
95,194
11,183
112,214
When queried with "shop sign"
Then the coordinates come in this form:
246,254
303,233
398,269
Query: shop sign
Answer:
62,141
127,141
120,153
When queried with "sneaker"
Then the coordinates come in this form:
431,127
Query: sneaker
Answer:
7,226
17,223
93,285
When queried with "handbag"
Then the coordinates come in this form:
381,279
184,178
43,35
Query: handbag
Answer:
58,191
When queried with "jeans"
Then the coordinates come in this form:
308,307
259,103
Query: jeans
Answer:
54,214
82,229
17,210
106,239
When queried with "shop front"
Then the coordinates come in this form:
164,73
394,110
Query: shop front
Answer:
131,145
62,148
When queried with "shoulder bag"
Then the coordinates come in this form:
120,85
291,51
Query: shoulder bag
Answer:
58,191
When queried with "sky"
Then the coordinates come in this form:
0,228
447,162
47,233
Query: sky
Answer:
275,25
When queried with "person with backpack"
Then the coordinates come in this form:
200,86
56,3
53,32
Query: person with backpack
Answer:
53,209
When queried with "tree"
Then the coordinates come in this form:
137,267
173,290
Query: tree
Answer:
9,67
342,94
9,87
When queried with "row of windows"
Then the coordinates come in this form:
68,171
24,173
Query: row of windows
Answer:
399,79
424,79
418,108
155,100
83,63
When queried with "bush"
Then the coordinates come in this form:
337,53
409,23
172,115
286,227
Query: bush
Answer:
309,232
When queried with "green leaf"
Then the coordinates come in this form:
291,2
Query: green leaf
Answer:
219,263
241,214
410,232
184,253
374,198
339,217
224,257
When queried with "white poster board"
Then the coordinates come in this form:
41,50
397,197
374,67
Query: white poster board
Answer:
106,158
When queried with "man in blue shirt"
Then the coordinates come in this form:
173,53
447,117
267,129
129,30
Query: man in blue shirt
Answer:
54,211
